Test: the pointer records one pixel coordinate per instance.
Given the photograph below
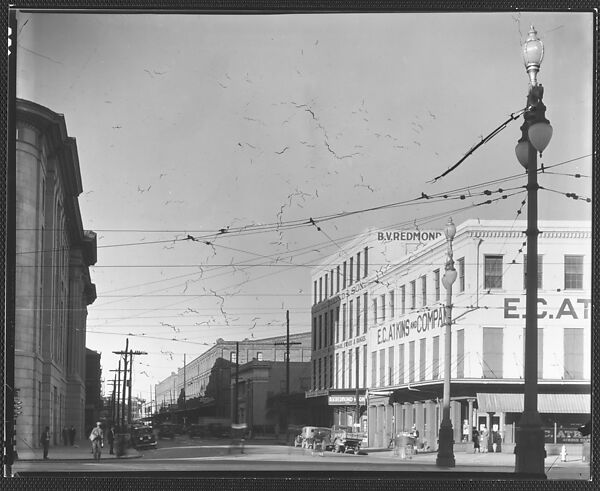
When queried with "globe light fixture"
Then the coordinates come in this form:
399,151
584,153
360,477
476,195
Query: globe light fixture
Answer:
533,54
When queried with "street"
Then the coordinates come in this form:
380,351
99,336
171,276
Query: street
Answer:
209,457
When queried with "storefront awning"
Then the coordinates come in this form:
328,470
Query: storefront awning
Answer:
547,403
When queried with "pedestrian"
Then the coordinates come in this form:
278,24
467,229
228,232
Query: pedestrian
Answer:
110,436
476,448
414,433
45,441
484,439
97,439
72,432
65,436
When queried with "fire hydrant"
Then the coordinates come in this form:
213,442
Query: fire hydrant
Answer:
563,453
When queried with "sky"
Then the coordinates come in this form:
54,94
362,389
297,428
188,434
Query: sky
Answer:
207,142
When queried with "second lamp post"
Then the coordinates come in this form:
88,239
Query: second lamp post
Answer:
445,456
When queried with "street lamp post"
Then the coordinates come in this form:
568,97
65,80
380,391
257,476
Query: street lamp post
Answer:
536,134
445,456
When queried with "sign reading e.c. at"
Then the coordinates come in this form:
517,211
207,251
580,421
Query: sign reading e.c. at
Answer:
578,308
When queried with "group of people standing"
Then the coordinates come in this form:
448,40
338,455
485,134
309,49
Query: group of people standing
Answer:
97,437
481,440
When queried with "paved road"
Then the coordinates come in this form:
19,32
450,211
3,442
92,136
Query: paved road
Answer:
184,456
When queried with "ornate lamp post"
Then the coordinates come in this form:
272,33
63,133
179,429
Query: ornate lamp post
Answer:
445,456
536,134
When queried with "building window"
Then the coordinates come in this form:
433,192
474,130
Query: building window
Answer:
357,364
331,371
411,361
326,285
320,289
413,295
320,332
422,358
573,354
365,299
374,368
383,307
461,274
403,300
325,373
337,371
325,330
401,364
539,271
315,291
259,356
331,279
338,279
319,373
366,261
382,367
375,318
344,275
343,369
337,325
331,327
350,368
391,365
436,358
493,272
233,357
436,284
392,306
344,319
357,266
351,271
460,353
573,272
492,352
351,319
364,363
423,290
358,313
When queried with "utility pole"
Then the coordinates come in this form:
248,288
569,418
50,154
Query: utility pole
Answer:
237,378
122,420
116,395
287,369
131,353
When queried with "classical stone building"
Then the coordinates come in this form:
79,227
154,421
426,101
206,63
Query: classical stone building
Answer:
53,286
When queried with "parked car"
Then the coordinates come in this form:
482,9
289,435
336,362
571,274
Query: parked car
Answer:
143,437
166,430
312,436
345,438
196,431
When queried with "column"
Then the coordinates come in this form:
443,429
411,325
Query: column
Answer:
470,419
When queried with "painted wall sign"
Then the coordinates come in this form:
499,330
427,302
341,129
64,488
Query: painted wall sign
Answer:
410,235
419,323
573,308
351,342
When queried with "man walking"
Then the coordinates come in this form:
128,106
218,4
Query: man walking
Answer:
97,439
110,436
45,441
72,432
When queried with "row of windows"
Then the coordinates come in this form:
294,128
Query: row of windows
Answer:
327,329
342,276
572,271
397,365
348,371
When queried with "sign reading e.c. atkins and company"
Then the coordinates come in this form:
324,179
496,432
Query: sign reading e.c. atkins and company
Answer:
419,323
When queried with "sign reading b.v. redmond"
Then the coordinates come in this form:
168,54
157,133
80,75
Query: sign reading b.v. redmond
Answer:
409,235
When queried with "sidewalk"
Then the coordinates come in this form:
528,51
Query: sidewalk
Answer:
469,459
82,452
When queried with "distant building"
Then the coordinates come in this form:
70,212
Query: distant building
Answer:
207,378
93,389
53,285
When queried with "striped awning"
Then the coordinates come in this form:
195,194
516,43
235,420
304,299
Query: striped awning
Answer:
547,403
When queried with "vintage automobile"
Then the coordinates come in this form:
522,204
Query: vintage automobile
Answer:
166,430
312,436
196,431
345,438
143,437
